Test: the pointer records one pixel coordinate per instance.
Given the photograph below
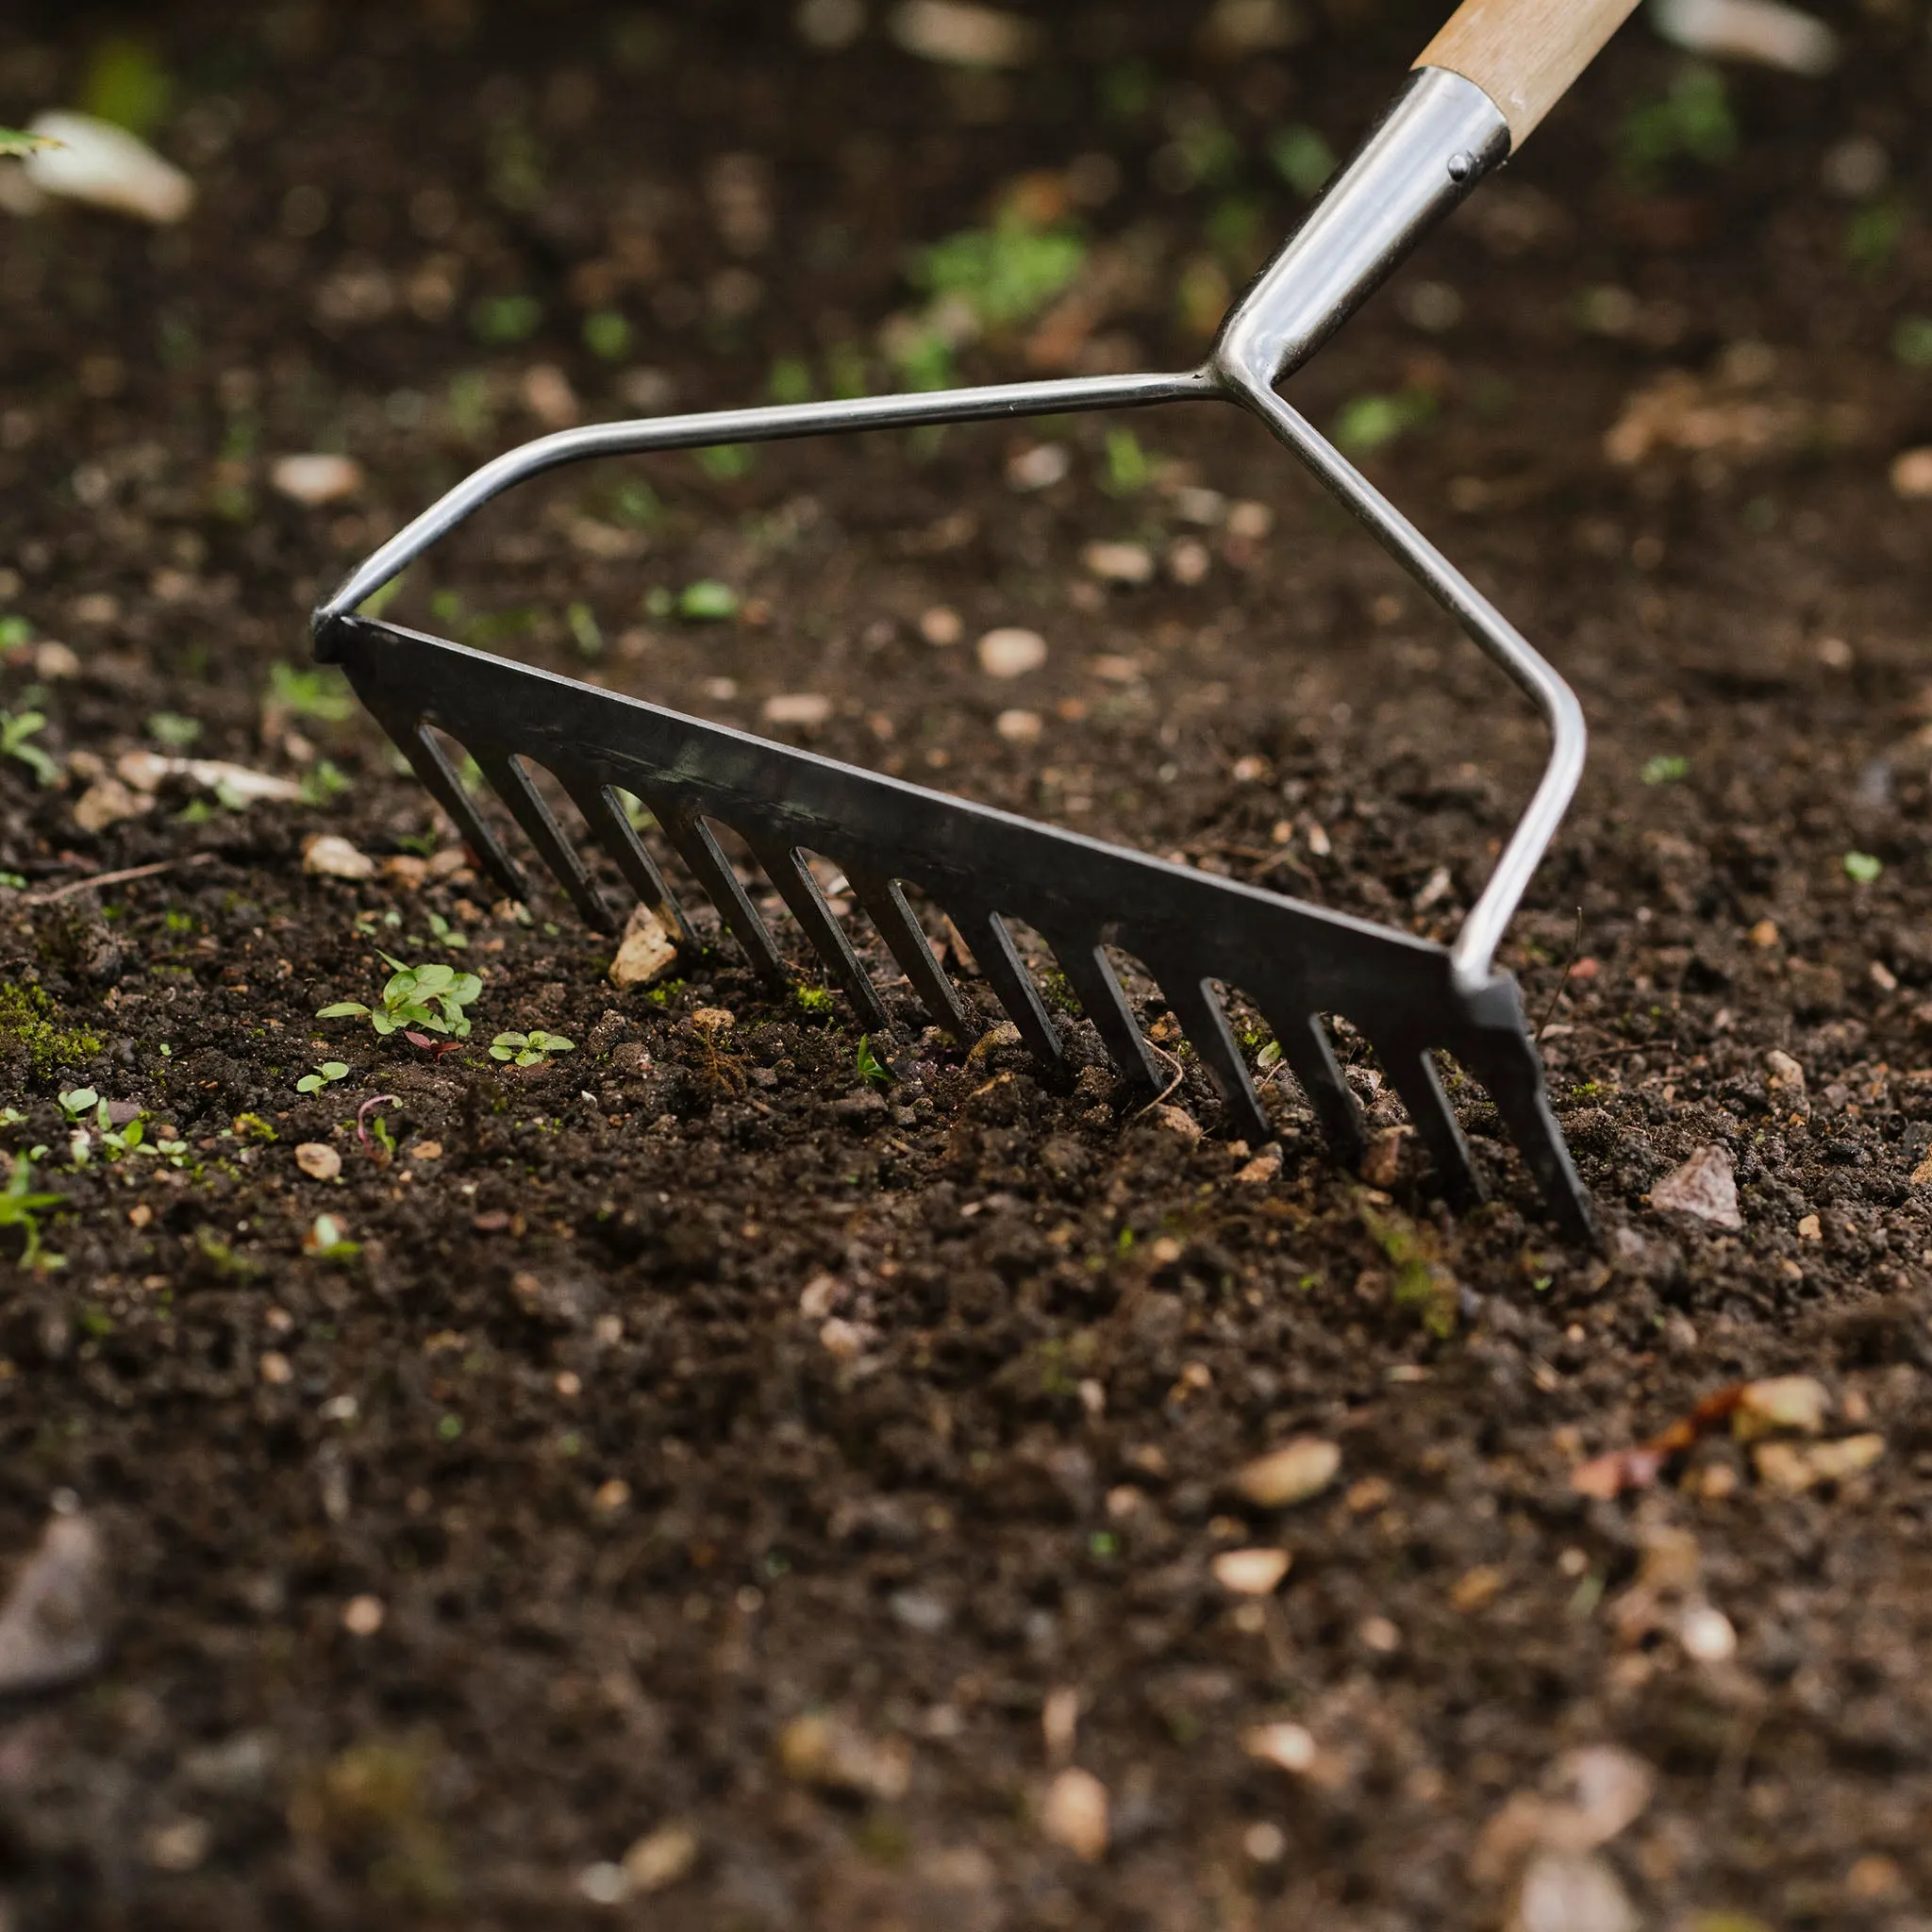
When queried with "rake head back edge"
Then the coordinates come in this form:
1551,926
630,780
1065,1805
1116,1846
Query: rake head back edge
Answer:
1196,932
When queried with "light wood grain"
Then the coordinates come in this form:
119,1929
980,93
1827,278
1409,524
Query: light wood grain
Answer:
1523,54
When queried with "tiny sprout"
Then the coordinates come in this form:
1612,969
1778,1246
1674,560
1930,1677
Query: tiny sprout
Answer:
79,1101
528,1049
871,1069
21,1208
815,1000
328,1241
1861,868
430,997
1667,768
14,734
325,1072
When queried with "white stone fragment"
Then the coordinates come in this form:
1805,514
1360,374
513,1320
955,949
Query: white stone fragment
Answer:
106,167
316,478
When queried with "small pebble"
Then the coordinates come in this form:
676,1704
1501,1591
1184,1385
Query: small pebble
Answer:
1257,1173
955,33
1286,1745
1073,1814
53,1626
1176,1121
363,1616
548,397
1705,1186
318,1160
1289,1475
941,628
1706,1634
180,1846
275,1369
316,478
843,1340
714,1019
1251,1573
1911,474
826,1750
329,856
646,952
1019,728
661,1858
1265,1844
1188,561
1039,468
1012,652
1119,563
1564,1891
806,709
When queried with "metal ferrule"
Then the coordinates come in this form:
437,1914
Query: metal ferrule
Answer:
1441,136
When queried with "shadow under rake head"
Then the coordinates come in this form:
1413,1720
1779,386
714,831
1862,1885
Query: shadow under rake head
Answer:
1197,933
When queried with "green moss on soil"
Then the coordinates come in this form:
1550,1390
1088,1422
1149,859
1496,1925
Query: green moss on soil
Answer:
28,1033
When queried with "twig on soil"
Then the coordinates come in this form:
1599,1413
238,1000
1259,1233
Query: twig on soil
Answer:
1569,967
1180,1074
117,878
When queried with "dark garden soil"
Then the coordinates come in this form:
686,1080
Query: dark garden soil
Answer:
686,1441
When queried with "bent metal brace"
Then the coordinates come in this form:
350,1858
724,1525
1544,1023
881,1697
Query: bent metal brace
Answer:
1477,90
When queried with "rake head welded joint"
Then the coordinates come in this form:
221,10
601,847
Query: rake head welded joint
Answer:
1410,998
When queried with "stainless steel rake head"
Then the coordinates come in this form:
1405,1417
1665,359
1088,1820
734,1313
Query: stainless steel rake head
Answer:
1198,934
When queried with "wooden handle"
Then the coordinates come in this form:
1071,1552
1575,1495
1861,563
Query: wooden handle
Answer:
1523,54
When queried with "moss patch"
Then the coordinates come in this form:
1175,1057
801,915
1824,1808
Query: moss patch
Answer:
29,1033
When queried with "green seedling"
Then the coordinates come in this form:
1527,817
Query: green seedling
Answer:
1128,469
174,730
871,1069
1303,159
1004,274
14,734
1667,768
16,144
607,335
327,1242
504,319
431,997
1691,122
447,935
21,1208
815,1000
1372,422
78,1102
529,1049
317,692
323,783
326,1072
1861,868
584,629
708,602
726,462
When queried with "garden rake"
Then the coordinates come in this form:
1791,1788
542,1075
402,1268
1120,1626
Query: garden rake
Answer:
1478,89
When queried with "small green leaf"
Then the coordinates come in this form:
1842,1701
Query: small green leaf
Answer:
1862,867
1667,768
708,602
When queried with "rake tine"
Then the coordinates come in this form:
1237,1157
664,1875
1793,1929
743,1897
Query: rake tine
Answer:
1091,976
504,771
1412,1074
613,830
1304,1046
1205,1025
800,891
1510,1072
693,842
884,905
431,764
984,933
